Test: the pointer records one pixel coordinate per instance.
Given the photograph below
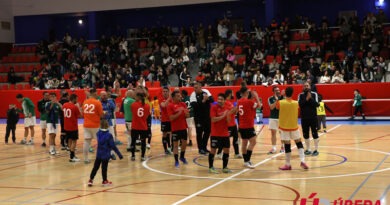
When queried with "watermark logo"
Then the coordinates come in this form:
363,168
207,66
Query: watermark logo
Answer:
311,200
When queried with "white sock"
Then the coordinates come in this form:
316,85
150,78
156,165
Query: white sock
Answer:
274,147
86,146
316,142
51,148
128,141
288,157
301,154
307,142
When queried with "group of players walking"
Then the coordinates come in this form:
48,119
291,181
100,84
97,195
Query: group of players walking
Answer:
180,115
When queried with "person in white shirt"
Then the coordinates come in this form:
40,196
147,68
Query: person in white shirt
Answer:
325,78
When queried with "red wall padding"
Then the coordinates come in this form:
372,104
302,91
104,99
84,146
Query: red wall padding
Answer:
372,91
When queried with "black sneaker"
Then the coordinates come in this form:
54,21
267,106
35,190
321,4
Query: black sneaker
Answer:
315,153
128,149
113,157
43,145
307,152
190,143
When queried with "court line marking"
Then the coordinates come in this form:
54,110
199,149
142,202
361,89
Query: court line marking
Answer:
383,197
232,176
367,178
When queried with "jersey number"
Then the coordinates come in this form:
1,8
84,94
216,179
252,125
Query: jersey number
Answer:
89,108
140,112
241,109
67,113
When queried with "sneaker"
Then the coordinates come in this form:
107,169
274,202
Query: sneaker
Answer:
285,167
63,148
324,130
184,160
212,170
90,182
30,142
167,152
202,152
226,170
282,150
138,142
177,164
315,153
147,146
133,158
272,151
91,149
219,156
190,143
113,157
238,156
106,183
74,159
128,149
53,152
137,150
143,159
249,165
87,161
364,117
304,165
43,144
23,142
307,152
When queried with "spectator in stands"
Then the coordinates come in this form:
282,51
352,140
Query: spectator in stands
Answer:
12,77
234,39
272,68
230,57
325,79
337,77
183,77
200,78
258,78
222,29
366,76
279,77
63,84
228,74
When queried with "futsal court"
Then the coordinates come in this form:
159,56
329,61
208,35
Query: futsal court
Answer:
353,165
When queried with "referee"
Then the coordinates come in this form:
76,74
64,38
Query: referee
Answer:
308,103
201,100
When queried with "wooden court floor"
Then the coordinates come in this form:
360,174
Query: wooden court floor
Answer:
353,165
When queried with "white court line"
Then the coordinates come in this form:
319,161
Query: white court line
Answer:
239,173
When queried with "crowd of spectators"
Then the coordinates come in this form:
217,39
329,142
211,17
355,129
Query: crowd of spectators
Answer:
117,60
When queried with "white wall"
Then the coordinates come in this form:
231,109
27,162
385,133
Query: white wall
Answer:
35,7
7,36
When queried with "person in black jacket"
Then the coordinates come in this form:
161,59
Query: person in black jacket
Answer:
308,103
201,100
12,120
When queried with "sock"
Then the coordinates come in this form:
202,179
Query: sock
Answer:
301,154
274,147
168,140
182,153
128,141
245,157
176,157
164,142
211,160
316,141
288,157
249,155
225,160
51,147
307,142
71,155
86,146
143,148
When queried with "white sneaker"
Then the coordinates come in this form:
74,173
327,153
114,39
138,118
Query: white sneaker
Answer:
148,146
238,156
53,152
219,156
87,161
74,159
249,165
30,142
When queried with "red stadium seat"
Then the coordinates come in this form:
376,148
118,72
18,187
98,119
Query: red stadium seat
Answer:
21,49
148,84
279,59
26,87
156,84
237,50
302,46
294,68
241,60
341,55
306,36
142,44
27,49
4,87
292,47
12,87
19,87
335,34
228,49
269,59
327,55
14,50
296,36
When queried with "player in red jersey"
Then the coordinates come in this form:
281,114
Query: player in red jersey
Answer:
247,112
220,115
72,111
178,112
139,127
165,122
